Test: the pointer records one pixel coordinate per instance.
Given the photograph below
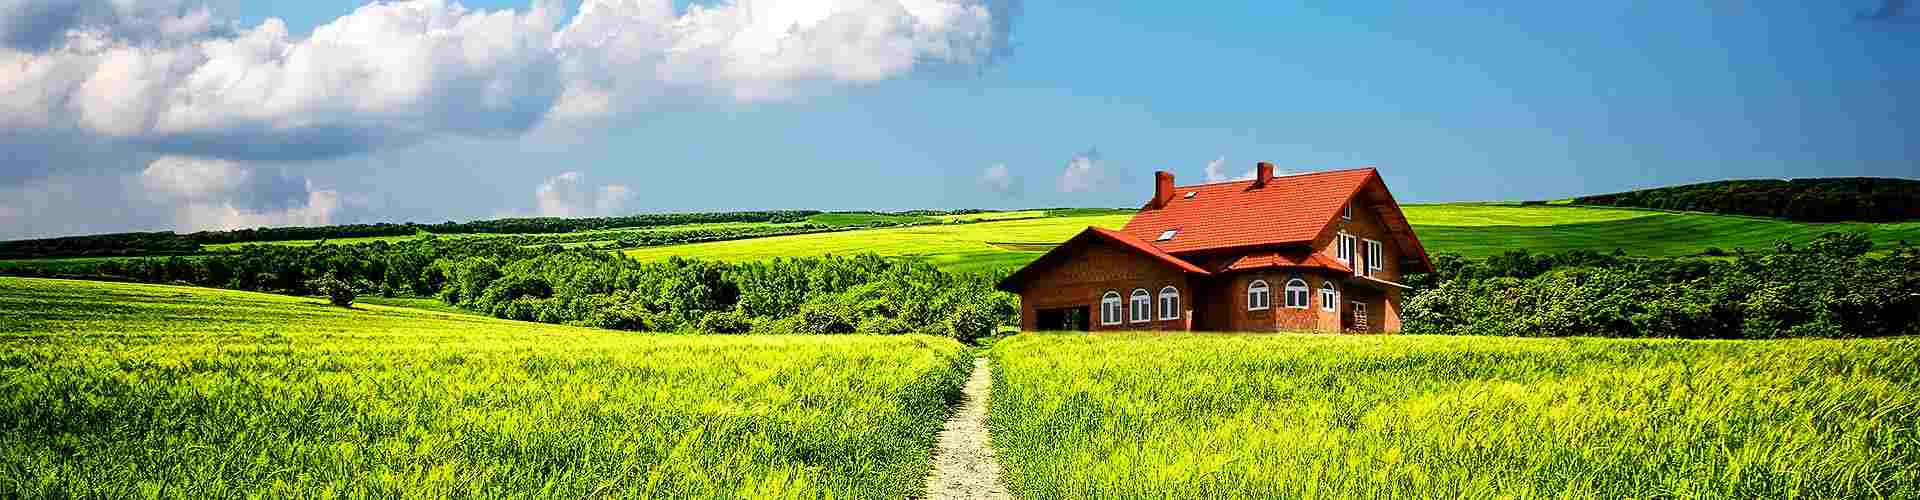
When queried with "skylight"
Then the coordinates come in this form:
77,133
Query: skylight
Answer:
1167,235
1191,193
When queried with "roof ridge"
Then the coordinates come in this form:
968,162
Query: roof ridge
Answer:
1288,176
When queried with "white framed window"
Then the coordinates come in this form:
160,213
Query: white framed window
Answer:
1257,296
1169,302
1343,249
1297,293
1329,296
1346,212
1110,308
1141,304
1373,257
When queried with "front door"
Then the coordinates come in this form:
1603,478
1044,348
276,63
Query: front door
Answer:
1359,322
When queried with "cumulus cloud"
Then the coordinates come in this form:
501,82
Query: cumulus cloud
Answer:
1216,171
568,195
1000,181
165,77
173,192
1084,173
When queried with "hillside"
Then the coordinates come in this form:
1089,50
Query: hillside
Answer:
119,390
1833,199
1472,230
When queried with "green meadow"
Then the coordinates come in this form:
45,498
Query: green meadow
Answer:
114,390
962,247
1300,416
1468,229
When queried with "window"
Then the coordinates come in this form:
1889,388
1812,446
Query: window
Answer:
1373,257
1344,249
1346,212
1257,299
1142,305
1168,234
1297,294
1110,308
1169,303
1329,297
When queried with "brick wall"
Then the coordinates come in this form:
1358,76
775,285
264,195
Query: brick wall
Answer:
1093,269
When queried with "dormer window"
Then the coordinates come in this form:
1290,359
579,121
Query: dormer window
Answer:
1167,234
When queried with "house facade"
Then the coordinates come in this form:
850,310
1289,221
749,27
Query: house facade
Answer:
1321,251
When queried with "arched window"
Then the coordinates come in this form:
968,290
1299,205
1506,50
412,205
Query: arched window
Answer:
1169,303
1142,304
1110,308
1329,296
1257,298
1297,293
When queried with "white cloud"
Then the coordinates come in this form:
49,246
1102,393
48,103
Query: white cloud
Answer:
1216,171
999,180
1084,173
172,193
163,76
567,195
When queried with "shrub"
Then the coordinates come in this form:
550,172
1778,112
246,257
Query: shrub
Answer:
338,292
728,321
971,322
882,325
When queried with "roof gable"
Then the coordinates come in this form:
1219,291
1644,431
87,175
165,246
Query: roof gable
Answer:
1290,209
1013,282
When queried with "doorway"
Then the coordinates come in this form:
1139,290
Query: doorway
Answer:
1357,319
1064,319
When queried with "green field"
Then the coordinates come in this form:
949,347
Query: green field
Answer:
1297,416
1469,229
953,246
1480,230
117,390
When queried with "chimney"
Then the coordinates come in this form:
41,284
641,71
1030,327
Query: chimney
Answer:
1162,188
1263,173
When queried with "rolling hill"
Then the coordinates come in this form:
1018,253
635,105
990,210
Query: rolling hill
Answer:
1468,229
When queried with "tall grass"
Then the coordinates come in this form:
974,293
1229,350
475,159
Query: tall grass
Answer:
1289,416
115,390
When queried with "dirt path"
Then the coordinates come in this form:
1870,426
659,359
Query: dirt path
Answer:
963,465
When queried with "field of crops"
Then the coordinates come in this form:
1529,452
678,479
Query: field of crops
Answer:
117,390
1295,416
1470,229
960,247
1479,230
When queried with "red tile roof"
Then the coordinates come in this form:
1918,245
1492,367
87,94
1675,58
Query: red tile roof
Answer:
1289,209
1012,282
1287,259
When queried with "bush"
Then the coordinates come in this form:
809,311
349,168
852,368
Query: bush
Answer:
338,292
971,322
729,321
882,325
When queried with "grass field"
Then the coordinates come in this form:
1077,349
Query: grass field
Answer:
1294,416
1470,229
1479,230
116,390
952,246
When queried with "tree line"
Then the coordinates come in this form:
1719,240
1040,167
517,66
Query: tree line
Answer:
1835,199
582,286
1834,286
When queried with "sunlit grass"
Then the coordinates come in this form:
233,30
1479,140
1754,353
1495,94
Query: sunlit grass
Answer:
119,390
939,243
1296,416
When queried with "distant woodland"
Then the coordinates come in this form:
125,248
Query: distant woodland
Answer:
1835,199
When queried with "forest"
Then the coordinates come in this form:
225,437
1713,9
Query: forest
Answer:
1836,286
1829,199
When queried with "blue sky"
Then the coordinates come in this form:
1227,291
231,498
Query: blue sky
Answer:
1451,101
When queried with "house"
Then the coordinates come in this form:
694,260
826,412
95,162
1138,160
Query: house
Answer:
1319,251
